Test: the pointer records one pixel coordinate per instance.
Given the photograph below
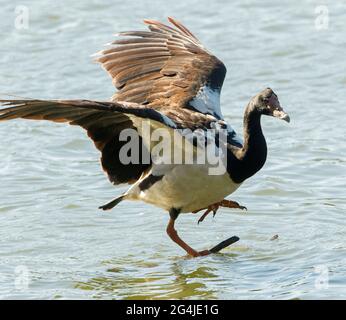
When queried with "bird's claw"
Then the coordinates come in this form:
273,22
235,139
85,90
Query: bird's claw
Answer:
214,207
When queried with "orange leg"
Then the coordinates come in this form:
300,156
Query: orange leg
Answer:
214,207
173,234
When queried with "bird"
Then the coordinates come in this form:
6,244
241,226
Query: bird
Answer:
166,80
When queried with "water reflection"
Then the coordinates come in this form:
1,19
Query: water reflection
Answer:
132,278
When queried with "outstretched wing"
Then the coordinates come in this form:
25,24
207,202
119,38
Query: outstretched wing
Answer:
165,68
103,121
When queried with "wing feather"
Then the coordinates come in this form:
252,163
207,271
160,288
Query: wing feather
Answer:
103,122
171,60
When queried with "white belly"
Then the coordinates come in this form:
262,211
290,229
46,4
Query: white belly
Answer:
186,187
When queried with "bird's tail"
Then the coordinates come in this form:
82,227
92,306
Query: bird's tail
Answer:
113,203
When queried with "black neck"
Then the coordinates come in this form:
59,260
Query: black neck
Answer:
244,163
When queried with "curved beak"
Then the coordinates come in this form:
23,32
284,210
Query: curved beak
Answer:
281,114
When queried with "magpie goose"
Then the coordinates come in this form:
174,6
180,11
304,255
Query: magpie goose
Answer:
166,78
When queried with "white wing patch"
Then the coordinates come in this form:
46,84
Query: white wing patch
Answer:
207,100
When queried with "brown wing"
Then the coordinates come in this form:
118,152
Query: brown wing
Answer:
164,68
102,120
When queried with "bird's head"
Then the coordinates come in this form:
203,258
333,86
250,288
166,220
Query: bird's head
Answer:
267,103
